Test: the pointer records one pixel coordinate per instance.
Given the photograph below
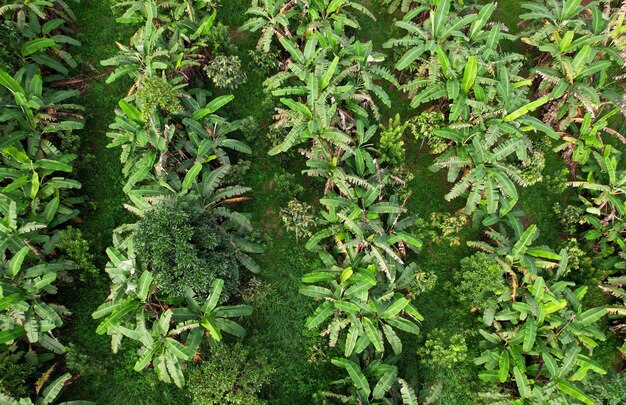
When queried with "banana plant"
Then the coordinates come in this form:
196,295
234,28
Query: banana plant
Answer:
45,10
516,251
313,119
365,223
602,196
587,135
561,20
604,189
38,185
403,5
169,333
189,24
24,284
361,58
138,11
331,16
379,381
617,312
47,44
173,154
355,302
36,110
272,18
150,54
48,393
536,337
578,59
335,89
461,63
360,157
36,196
480,161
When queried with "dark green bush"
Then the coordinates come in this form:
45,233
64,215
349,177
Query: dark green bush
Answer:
9,47
480,281
609,389
14,372
229,375
183,245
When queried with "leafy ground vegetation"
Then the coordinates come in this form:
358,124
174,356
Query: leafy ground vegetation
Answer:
327,201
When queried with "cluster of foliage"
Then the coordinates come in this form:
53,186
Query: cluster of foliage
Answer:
480,282
328,94
443,349
298,217
442,228
173,271
230,375
225,72
37,198
423,128
185,249
391,143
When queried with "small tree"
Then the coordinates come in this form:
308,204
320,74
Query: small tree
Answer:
185,248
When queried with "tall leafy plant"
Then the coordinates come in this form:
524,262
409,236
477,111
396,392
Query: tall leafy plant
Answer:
538,334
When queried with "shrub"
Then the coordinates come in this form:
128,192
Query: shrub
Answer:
229,375
480,282
391,146
9,47
219,39
442,228
251,130
285,187
225,72
532,167
581,266
158,94
298,218
183,245
265,63
443,349
237,173
571,217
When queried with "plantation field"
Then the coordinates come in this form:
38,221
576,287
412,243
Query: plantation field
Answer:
329,201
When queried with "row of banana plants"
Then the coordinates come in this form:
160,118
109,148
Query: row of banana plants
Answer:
538,339
329,92
175,150
38,196
453,59
582,49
